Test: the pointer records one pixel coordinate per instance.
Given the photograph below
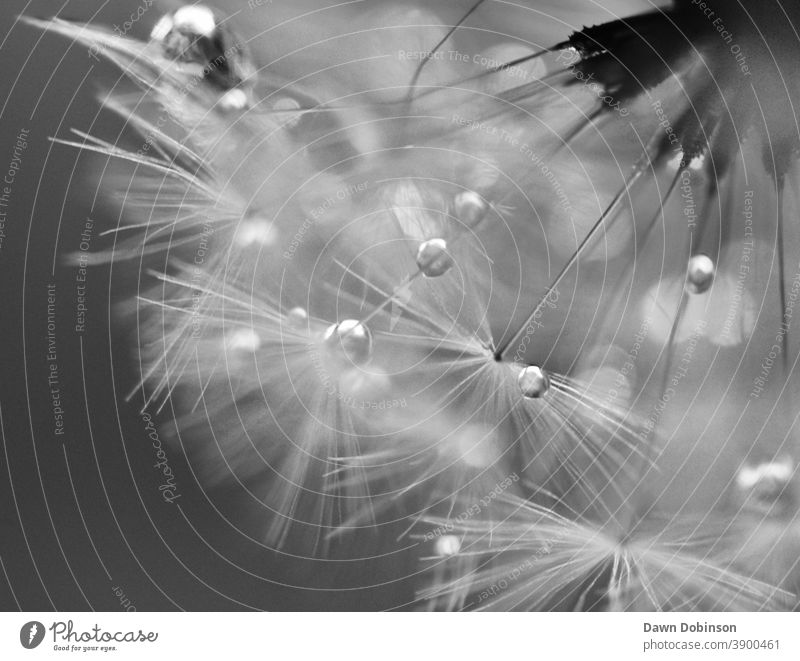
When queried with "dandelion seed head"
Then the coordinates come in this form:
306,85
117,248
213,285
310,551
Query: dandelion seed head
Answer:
403,404
544,561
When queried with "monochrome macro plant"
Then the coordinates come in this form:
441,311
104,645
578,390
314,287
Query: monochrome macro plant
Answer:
505,291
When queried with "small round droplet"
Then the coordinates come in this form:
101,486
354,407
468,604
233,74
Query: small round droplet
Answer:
433,259
470,208
297,316
352,338
196,37
534,382
447,546
700,274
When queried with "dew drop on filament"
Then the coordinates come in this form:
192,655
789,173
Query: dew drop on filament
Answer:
433,259
700,274
352,338
534,382
470,208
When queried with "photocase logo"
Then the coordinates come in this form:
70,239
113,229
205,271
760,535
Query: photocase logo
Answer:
31,634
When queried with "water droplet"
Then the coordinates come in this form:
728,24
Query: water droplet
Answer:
352,338
534,382
194,36
470,208
433,259
700,274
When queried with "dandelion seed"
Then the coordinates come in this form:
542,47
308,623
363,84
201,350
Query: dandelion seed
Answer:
539,560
